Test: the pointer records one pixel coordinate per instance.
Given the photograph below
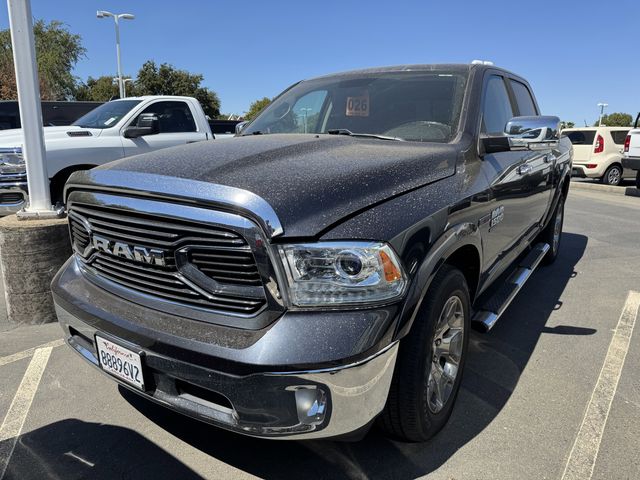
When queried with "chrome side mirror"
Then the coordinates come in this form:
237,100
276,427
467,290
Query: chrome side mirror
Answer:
240,126
533,133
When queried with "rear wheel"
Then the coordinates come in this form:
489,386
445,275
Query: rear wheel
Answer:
613,175
430,361
552,233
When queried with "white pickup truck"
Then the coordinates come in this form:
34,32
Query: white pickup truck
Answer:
114,130
631,151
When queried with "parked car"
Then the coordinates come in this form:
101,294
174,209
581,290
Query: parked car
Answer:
114,130
223,128
53,113
631,151
597,153
323,269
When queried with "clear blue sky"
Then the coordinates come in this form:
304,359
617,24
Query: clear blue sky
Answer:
575,53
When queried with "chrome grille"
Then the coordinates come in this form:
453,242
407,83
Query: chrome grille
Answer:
219,254
229,266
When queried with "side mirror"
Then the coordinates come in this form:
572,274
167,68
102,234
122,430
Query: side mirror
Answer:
147,124
526,133
240,126
533,133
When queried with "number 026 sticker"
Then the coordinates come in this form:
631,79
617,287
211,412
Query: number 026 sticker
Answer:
358,106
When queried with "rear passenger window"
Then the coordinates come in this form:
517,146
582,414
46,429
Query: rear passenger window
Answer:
523,99
497,109
619,136
581,137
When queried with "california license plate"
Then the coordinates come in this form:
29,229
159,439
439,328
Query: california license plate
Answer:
120,362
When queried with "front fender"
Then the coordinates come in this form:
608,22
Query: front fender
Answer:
454,238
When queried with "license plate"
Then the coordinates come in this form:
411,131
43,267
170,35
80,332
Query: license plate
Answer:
120,362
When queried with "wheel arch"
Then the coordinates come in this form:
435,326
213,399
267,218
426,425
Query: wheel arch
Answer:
59,178
461,247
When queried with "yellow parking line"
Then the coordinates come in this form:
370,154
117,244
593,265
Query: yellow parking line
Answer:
14,420
584,453
27,353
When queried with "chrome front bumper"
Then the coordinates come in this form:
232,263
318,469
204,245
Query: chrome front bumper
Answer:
279,405
13,193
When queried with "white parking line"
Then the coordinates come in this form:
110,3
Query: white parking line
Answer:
14,420
27,353
584,453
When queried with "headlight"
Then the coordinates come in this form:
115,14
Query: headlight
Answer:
11,160
340,273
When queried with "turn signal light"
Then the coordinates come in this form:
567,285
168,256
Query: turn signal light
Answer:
627,142
391,272
599,148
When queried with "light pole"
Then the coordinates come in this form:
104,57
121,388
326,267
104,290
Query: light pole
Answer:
116,18
124,82
305,110
33,148
602,107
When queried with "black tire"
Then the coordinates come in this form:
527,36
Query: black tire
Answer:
638,180
612,176
548,234
408,415
57,189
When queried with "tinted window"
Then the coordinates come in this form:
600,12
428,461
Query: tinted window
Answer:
497,109
172,116
581,137
523,99
619,136
416,106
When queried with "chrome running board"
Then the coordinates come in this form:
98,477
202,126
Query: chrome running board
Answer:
487,316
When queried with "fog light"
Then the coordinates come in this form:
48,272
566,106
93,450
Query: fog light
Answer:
311,403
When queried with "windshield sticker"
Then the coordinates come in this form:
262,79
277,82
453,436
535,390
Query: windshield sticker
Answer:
110,121
358,106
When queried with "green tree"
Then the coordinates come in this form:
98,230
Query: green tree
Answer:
57,52
564,125
256,107
101,89
617,119
168,80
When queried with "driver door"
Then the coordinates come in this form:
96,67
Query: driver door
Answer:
176,127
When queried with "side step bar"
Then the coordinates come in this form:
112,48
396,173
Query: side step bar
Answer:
487,316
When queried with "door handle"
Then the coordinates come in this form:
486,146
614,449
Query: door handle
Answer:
524,169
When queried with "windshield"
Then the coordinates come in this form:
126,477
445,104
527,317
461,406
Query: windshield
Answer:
413,106
106,115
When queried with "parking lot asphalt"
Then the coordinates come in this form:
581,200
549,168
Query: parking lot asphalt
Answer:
534,396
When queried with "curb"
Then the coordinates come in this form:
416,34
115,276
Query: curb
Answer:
628,191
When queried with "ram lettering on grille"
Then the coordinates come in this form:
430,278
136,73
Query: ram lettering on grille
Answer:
130,252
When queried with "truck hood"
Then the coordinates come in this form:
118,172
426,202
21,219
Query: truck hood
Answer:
311,181
14,137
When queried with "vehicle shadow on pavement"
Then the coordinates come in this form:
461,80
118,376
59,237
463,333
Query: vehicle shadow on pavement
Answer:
73,449
495,363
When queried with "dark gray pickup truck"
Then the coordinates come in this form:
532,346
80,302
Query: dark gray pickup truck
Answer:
323,270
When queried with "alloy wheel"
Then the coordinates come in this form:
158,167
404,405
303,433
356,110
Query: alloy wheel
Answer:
613,177
557,228
446,354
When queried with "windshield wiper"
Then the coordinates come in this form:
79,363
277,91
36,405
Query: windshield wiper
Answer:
257,132
344,131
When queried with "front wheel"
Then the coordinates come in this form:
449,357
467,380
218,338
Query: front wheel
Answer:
613,175
430,362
